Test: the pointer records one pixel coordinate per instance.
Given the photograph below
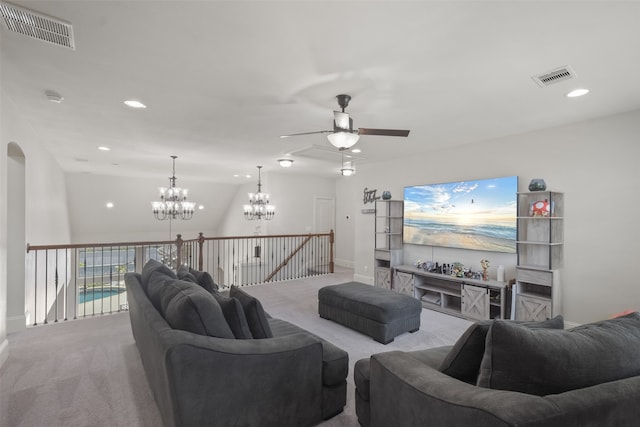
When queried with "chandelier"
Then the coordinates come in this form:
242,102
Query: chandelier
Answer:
259,207
173,201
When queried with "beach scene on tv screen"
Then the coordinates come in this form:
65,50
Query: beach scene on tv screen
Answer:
479,215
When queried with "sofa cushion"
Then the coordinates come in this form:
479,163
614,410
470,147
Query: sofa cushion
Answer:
256,318
546,361
183,273
156,288
196,310
152,266
335,361
204,279
169,290
463,361
234,314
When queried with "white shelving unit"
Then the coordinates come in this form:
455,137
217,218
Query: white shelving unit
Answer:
388,240
540,245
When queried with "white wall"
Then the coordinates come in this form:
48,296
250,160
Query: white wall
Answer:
593,162
131,218
292,194
46,219
4,344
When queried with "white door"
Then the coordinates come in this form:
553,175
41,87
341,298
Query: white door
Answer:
323,214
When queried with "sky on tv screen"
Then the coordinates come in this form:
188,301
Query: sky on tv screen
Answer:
478,215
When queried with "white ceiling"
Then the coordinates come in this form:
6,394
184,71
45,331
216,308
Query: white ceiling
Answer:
222,80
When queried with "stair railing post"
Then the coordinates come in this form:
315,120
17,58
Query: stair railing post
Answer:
179,243
331,240
200,250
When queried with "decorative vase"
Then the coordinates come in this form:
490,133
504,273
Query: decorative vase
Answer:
537,184
386,195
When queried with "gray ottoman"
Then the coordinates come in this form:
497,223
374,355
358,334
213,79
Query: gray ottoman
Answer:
379,313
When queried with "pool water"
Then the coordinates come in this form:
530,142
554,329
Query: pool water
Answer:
94,294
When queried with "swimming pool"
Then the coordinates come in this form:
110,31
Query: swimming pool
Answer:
95,294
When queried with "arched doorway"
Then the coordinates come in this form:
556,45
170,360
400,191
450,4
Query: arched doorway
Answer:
16,212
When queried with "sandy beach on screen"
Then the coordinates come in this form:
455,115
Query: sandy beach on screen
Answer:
418,236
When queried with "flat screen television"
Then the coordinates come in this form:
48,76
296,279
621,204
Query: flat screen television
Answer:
479,215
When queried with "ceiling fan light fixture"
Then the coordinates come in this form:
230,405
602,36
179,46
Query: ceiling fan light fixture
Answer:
347,171
285,163
343,139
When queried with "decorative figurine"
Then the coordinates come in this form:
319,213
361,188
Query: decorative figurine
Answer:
386,195
537,184
484,263
541,208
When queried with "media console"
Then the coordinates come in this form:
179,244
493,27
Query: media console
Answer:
459,296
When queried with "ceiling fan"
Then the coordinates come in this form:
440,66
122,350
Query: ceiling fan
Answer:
343,135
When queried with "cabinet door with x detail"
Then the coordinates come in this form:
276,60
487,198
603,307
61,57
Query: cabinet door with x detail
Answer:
475,302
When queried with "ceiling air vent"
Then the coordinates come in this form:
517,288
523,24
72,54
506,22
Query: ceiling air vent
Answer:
555,76
37,25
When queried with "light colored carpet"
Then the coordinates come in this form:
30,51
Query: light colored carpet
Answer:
88,372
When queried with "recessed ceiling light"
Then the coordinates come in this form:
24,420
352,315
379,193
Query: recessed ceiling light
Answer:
109,205
356,150
103,148
577,92
201,207
134,104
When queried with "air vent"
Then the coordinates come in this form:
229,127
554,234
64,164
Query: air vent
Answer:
555,76
37,25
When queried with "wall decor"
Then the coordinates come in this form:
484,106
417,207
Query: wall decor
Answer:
537,184
369,196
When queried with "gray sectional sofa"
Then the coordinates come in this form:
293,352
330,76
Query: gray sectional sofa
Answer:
212,359
501,373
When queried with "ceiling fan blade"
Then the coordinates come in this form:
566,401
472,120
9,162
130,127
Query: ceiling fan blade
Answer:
341,120
305,133
383,132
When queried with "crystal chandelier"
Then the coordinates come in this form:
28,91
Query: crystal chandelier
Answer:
173,201
259,207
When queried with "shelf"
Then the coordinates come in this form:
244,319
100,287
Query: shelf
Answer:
534,295
388,235
540,218
529,242
438,289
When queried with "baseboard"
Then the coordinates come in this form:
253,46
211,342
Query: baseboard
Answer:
4,351
345,263
363,279
16,324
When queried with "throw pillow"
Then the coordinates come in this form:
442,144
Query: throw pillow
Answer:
204,279
195,310
183,273
256,318
463,360
546,361
234,314
169,290
153,266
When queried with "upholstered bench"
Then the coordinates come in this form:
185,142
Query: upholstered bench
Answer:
379,313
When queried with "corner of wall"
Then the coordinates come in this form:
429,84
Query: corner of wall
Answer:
363,279
4,351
